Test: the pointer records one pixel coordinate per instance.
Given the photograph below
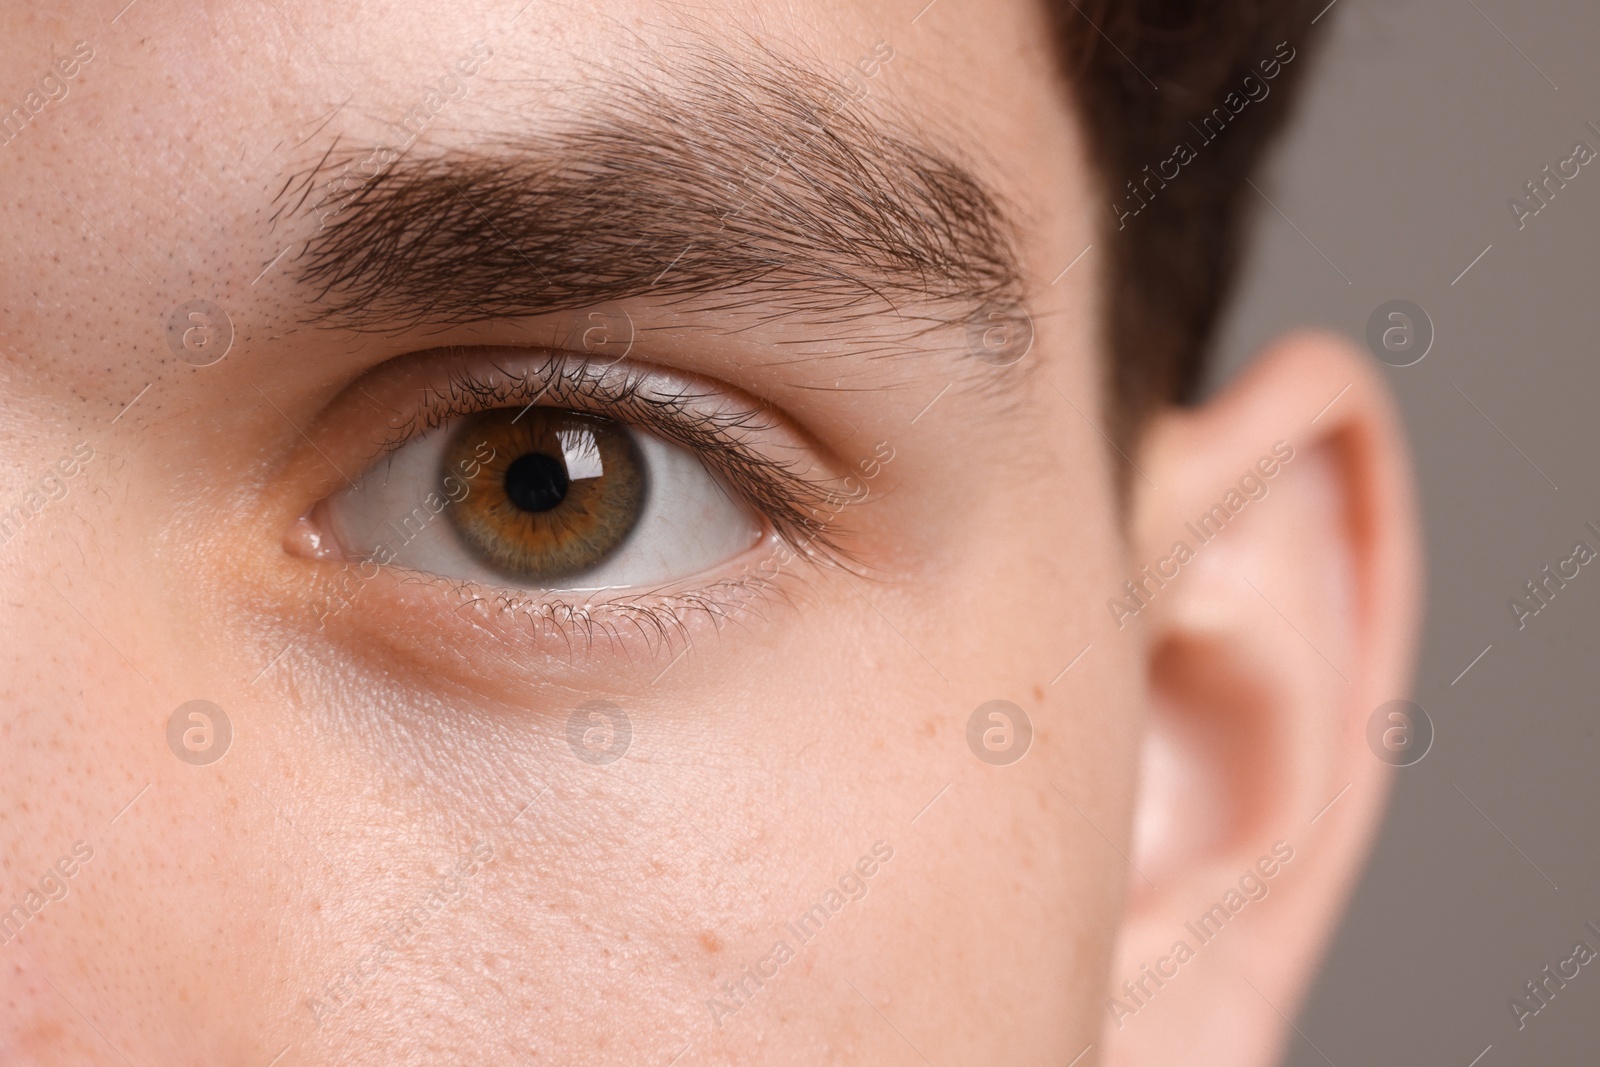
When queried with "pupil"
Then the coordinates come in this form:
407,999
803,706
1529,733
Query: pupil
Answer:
536,482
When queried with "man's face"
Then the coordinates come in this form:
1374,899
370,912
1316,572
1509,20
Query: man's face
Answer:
417,846
514,514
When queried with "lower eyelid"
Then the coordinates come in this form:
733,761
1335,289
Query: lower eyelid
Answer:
488,639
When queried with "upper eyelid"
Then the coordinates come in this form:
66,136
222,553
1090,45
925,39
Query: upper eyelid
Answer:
554,374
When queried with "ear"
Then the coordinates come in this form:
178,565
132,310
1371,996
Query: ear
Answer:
1270,640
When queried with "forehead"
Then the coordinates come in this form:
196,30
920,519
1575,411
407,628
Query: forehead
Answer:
162,160
238,90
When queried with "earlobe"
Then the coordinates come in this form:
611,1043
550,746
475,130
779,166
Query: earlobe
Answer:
1291,619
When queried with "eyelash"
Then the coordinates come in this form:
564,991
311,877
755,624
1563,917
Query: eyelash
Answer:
791,501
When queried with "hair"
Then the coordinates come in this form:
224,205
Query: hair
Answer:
1143,76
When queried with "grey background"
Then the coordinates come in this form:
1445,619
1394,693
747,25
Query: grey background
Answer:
1422,120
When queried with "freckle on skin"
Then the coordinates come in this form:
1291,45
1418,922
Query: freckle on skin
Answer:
709,942
1038,693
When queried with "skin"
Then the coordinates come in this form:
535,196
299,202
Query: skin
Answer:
770,748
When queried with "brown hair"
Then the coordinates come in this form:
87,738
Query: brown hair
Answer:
1147,76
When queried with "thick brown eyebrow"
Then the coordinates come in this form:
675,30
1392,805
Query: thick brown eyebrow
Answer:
759,180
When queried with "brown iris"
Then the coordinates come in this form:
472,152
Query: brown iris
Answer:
551,493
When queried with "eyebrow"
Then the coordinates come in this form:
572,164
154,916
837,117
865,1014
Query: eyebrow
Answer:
758,180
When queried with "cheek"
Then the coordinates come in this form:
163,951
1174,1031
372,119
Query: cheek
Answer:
154,892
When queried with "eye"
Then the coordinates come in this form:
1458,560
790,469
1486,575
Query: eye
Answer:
542,498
